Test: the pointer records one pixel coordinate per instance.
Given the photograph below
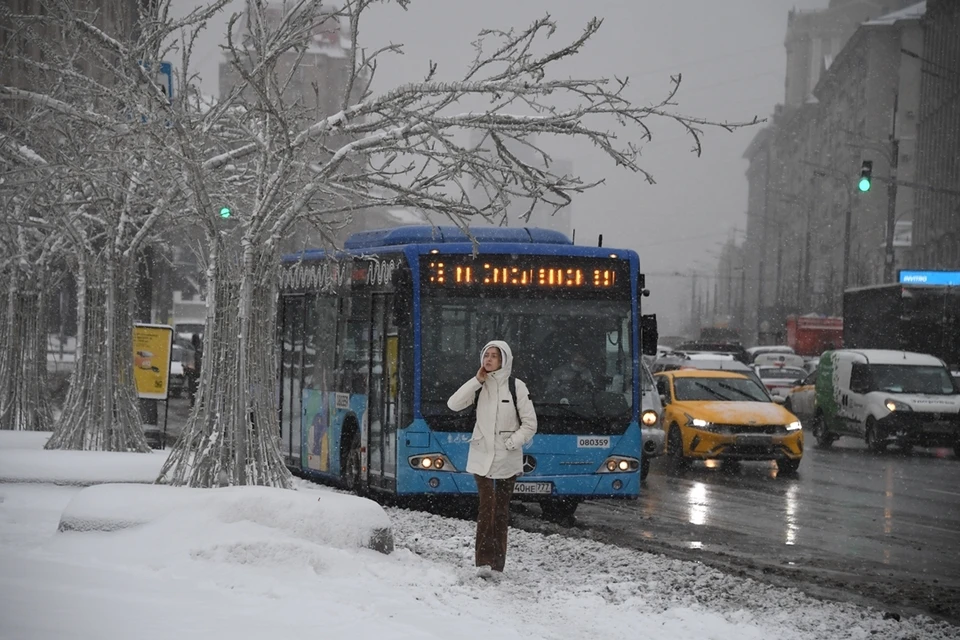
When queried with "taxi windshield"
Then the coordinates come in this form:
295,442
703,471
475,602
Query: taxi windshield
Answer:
718,389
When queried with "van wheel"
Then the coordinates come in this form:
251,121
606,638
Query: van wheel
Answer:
871,437
824,439
644,467
675,447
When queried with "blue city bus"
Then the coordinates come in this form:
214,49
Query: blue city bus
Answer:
374,339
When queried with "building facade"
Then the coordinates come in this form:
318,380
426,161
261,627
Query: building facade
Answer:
845,80
869,101
936,233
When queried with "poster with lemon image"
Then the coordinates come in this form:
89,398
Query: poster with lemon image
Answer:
152,345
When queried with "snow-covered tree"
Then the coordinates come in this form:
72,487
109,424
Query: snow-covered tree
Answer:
30,248
95,141
262,150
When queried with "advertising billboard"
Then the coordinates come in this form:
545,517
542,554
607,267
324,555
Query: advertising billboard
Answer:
938,278
152,346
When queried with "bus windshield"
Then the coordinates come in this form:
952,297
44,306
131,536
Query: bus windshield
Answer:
574,356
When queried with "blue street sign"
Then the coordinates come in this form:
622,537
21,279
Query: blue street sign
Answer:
938,278
163,77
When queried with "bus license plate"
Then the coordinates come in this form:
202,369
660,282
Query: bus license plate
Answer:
533,488
593,442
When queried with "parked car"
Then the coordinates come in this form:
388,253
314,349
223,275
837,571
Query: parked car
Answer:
178,379
886,397
753,352
726,415
651,423
705,361
701,346
779,380
778,360
801,398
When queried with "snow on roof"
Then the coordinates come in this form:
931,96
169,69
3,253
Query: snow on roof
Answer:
889,356
913,12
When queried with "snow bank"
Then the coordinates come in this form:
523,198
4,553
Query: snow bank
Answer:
205,570
316,517
23,439
81,468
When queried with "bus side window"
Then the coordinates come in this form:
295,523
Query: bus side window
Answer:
352,370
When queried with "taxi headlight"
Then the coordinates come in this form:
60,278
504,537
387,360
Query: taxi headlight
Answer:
697,422
794,426
649,418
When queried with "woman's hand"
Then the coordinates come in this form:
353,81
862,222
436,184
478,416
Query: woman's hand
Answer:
482,375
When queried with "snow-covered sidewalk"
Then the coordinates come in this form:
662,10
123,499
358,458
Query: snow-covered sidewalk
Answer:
262,572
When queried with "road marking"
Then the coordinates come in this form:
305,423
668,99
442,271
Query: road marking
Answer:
949,493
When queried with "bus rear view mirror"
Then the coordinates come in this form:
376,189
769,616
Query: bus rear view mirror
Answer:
648,335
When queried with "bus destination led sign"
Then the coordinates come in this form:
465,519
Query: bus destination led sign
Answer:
538,273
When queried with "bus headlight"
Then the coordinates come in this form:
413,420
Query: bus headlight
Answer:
649,418
431,462
619,464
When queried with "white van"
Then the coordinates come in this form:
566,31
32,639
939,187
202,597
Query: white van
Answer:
651,421
886,397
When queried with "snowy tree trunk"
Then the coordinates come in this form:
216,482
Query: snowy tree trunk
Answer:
231,437
23,371
101,411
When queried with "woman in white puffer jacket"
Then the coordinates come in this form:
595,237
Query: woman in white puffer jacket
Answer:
496,457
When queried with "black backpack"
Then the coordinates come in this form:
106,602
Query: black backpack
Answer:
512,385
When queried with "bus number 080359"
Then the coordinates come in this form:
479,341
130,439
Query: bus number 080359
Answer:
593,442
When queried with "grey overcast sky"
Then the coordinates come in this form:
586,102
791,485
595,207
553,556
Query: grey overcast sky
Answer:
732,58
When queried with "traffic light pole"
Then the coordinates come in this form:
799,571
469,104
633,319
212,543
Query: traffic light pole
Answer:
890,259
846,246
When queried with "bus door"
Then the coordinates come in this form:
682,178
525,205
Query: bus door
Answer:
382,407
291,374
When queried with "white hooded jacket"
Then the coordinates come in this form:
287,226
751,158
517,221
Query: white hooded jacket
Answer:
496,447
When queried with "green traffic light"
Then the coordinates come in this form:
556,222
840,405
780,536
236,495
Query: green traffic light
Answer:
225,212
864,184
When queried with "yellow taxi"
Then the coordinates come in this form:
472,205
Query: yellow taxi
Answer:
726,415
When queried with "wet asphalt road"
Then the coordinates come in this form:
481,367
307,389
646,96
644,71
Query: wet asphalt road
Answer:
851,525
882,527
